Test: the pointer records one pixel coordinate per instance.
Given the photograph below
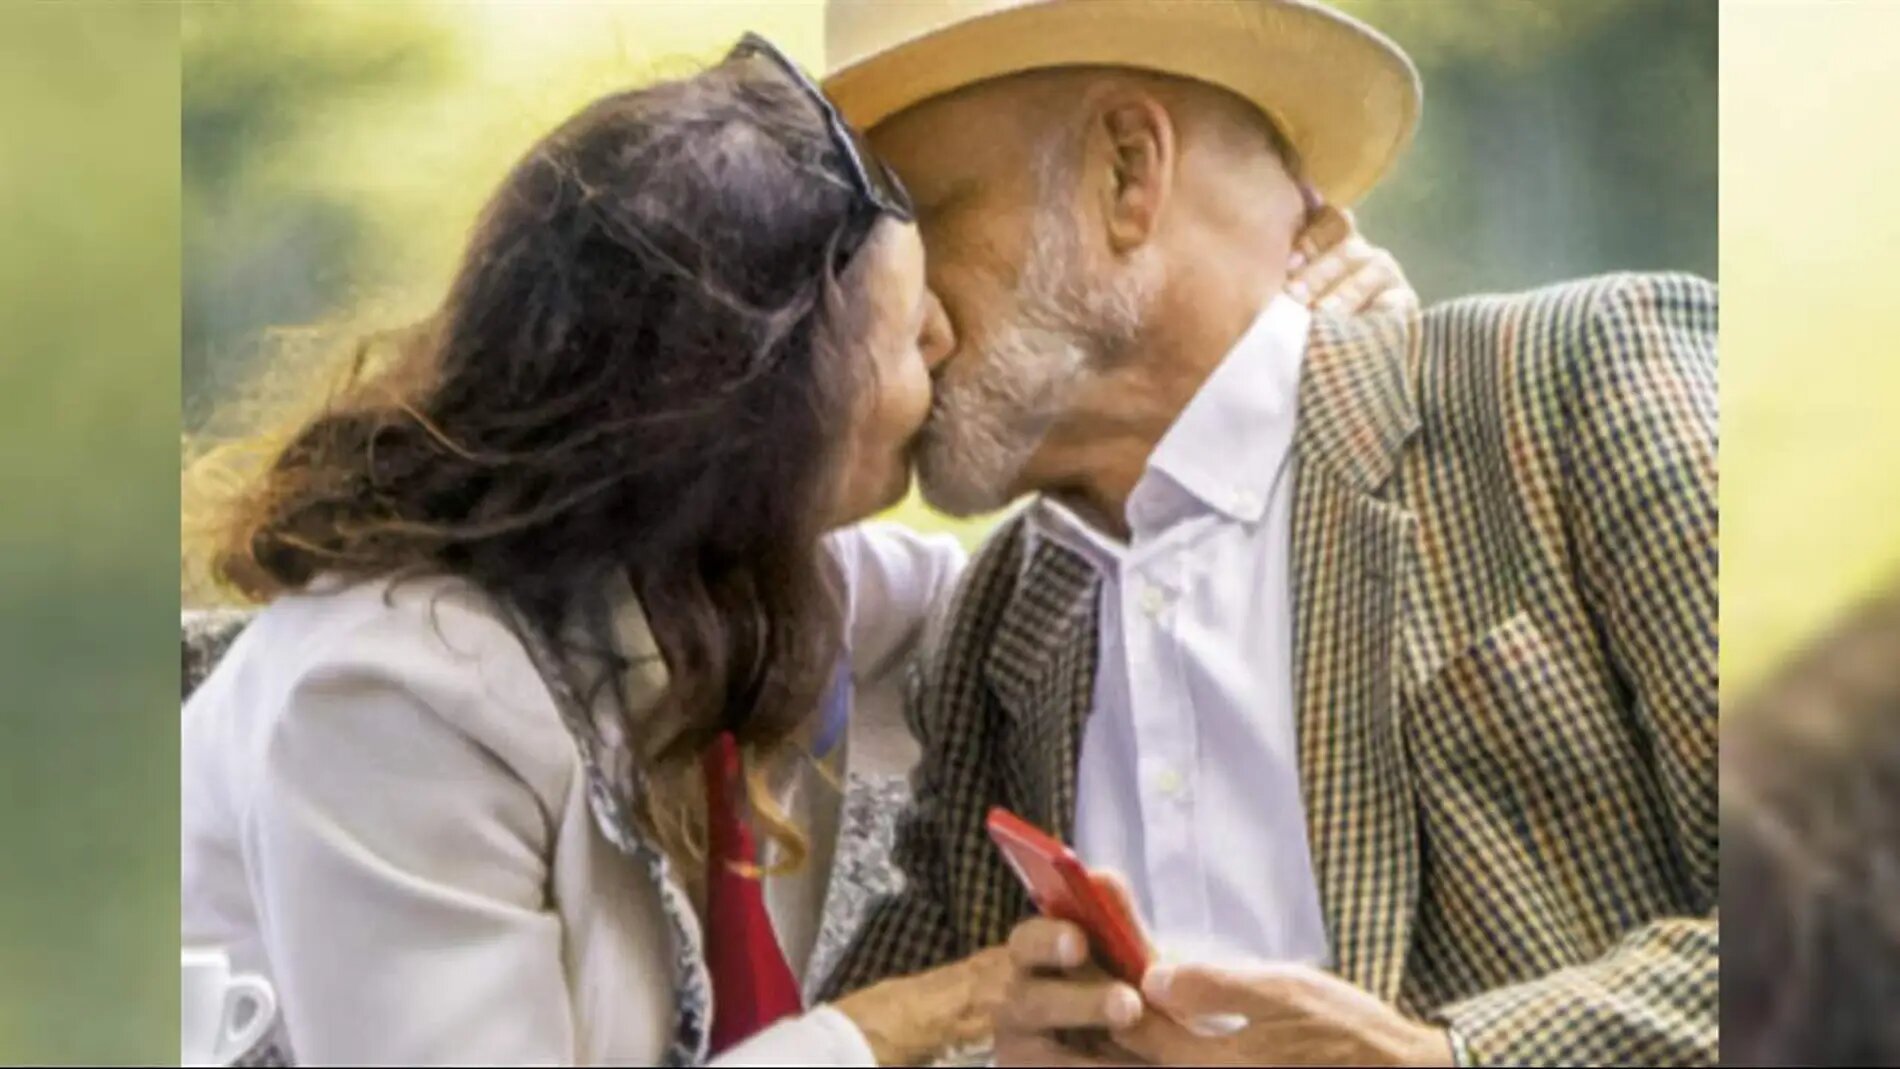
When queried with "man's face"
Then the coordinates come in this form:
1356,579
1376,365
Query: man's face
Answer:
1032,299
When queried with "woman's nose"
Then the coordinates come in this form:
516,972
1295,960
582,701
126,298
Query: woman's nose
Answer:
937,340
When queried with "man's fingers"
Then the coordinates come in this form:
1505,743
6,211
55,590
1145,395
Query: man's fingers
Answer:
1189,991
1044,1004
1042,943
1159,1041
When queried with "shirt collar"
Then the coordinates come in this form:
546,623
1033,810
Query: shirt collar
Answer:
1051,519
1224,450
1230,443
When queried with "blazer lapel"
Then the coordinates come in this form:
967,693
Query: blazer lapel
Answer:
1041,668
1353,563
598,727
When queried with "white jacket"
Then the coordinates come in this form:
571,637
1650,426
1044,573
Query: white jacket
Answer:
384,814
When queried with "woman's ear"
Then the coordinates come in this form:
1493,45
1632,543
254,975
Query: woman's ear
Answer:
1140,154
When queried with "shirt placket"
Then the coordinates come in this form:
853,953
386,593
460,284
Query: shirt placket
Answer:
1164,740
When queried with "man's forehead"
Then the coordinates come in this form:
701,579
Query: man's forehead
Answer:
970,135
929,136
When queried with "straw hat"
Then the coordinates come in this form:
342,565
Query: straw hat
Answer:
1344,95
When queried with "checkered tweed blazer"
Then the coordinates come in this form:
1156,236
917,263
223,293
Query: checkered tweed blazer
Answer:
1505,592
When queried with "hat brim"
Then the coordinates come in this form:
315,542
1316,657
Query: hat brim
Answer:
1346,97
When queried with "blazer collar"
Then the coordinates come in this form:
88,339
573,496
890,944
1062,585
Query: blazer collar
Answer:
1358,396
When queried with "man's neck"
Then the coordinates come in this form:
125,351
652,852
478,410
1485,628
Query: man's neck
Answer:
1092,460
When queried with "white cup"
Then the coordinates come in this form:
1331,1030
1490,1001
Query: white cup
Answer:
223,1014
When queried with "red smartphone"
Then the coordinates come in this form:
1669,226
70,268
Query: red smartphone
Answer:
1061,888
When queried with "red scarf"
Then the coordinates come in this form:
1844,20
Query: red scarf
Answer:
752,984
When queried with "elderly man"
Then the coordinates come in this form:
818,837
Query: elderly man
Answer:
1376,654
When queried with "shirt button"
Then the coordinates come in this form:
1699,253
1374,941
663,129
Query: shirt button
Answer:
1153,600
1169,781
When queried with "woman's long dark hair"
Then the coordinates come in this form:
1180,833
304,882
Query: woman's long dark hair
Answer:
630,374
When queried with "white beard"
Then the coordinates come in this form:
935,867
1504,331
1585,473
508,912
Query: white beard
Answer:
985,427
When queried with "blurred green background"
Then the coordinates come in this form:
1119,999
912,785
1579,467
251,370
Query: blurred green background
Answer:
88,534
339,151
1810,364
334,154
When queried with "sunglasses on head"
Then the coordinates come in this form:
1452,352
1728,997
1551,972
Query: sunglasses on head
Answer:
871,177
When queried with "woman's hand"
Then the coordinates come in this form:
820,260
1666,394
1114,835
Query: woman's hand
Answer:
910,1020
1336,271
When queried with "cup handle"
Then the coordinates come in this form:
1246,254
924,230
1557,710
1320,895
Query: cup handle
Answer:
233,1042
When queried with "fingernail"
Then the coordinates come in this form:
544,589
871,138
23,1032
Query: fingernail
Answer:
1124,1007
1157,981
1070,949
1298,261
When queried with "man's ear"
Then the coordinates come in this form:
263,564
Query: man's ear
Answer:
1138,137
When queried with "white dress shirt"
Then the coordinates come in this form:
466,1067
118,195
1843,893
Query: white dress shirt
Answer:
1188,782
383,814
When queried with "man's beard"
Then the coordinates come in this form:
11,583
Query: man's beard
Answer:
985,427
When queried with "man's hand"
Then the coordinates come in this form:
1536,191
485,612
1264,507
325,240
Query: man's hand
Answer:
1293,1015
1058,1006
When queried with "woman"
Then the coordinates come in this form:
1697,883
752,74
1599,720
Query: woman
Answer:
566,608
